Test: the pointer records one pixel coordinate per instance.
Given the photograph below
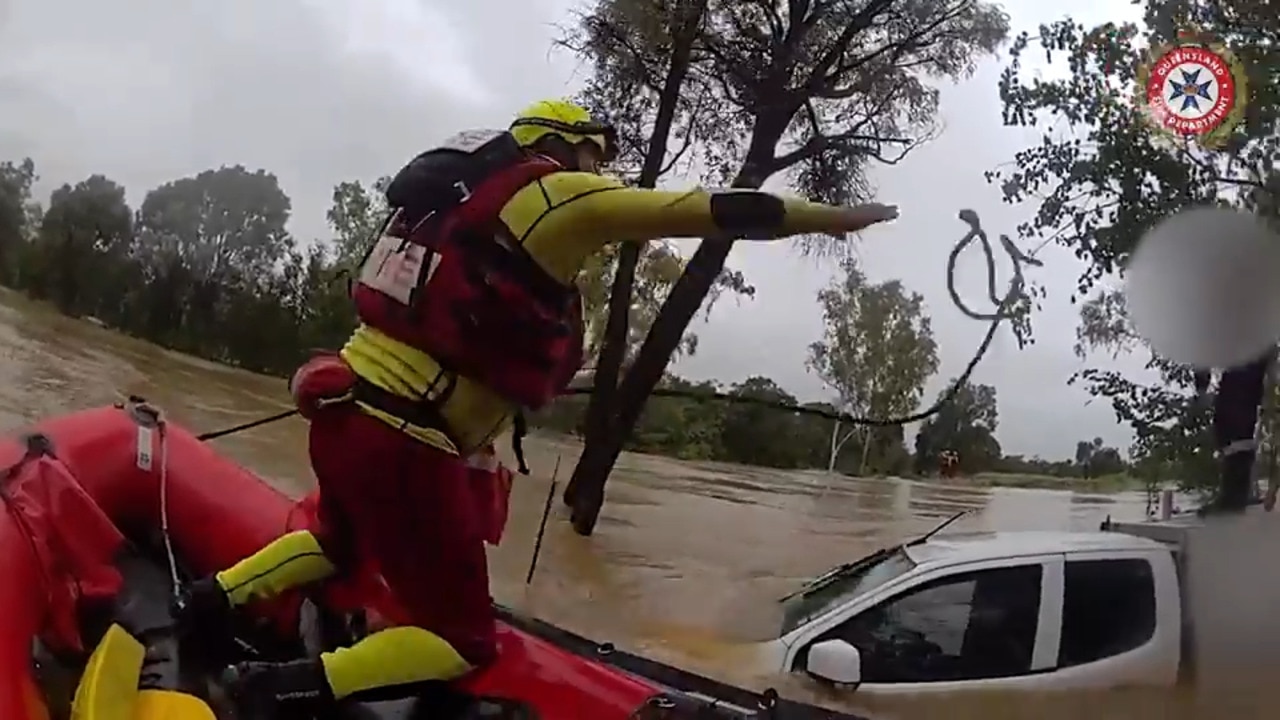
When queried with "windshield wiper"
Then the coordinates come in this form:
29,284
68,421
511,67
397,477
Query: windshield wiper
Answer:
937,529
847,569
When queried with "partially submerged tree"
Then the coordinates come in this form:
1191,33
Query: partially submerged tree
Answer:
641,51
818,91
877,350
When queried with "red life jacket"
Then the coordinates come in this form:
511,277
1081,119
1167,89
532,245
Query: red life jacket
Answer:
447,277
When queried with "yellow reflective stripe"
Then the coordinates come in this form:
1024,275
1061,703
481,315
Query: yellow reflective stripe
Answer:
395,656
290,560
430,436
392,365
171,705
108,689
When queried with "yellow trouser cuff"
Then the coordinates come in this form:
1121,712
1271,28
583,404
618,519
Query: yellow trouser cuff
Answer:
395,656
288,561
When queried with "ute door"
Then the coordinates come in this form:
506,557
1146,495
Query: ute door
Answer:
989,625
1121,620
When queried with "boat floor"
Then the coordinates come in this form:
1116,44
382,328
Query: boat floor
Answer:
143,609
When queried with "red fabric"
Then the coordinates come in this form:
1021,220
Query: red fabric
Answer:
573,360
323,377
446,288
394,504
73,540
357,588
491,484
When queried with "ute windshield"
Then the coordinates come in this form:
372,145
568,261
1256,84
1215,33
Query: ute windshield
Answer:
843,584
846,582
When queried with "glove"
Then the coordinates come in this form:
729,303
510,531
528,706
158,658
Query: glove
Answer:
863,216
322,381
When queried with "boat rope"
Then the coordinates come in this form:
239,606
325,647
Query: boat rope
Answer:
215,434
1005,310
166,536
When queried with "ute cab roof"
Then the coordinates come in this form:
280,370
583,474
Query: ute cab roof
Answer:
957,548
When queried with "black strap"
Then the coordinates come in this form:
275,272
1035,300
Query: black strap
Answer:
419,413
519,429
426,414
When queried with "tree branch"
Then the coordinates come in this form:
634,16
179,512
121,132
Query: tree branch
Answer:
685,145
827,89
820,144
777,28
601,30
860,22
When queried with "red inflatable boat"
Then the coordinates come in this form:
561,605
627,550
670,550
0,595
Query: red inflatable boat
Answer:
107,511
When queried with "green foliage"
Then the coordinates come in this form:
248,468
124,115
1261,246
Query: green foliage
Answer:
708,428
1102,176
876,353
1095,459
17,221
83,226
356,215
877,350
205,265
659,266
966,425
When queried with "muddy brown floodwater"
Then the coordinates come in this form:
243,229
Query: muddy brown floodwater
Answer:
688,557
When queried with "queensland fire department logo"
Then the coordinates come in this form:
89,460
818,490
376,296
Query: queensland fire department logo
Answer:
1195,88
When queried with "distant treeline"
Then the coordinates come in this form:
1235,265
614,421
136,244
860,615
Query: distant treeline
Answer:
206,266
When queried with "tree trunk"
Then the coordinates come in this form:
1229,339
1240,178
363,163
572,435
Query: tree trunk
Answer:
866,451
613,347
664,337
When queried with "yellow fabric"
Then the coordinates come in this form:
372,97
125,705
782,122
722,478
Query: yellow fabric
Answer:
288,561
562,220
395,656
170,705
108,689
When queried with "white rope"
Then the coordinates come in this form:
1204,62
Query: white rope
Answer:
165,535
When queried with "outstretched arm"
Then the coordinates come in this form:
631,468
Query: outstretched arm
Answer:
587,206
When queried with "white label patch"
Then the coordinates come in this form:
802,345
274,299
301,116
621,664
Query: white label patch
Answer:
470,140
144,448
395,268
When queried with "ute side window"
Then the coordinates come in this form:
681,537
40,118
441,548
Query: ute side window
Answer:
968,626
1109,607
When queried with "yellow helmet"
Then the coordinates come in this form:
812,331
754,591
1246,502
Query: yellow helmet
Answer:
566,120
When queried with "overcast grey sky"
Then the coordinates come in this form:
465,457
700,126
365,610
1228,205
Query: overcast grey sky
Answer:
319,91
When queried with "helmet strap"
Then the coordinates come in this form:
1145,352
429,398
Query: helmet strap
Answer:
558,149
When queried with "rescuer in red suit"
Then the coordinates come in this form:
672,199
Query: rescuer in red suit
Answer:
469,314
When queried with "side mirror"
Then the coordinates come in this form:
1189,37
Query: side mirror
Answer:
835,661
